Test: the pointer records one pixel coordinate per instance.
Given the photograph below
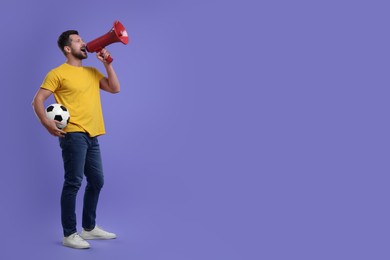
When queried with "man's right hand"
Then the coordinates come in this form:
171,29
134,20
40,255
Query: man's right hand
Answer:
51,126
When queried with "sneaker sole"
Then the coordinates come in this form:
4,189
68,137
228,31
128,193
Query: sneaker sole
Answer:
77,247
97,238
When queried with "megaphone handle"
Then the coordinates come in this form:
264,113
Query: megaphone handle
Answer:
109,58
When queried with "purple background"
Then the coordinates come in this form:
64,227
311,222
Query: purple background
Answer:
244,130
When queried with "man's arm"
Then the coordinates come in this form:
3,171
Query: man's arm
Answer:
111,82
39,109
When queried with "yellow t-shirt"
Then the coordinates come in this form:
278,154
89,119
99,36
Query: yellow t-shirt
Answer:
77,88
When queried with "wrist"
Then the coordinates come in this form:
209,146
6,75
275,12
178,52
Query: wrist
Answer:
107,64
45,121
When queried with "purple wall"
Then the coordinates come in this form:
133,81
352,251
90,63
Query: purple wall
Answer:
244,130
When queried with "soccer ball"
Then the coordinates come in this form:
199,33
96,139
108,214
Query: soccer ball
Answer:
59,113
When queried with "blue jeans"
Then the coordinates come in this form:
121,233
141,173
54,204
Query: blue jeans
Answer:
81,156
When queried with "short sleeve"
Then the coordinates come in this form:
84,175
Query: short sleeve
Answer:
99,75
51,81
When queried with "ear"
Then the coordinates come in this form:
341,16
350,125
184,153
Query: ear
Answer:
67,49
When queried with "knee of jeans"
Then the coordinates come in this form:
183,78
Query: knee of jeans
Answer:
100,184
73,184
96,184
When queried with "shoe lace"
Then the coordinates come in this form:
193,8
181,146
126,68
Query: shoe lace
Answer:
76,236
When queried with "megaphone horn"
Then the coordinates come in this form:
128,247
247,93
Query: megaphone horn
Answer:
117,33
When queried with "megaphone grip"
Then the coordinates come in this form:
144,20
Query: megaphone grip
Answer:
109,59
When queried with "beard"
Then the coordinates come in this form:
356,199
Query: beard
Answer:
79,54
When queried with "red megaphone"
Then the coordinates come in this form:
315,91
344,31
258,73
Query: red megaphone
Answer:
116,34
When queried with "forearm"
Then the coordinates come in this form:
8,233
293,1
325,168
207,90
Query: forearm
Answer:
39,109
113,81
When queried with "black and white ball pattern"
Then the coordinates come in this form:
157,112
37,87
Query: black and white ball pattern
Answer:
59,113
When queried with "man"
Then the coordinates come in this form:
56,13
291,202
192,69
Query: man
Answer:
78,89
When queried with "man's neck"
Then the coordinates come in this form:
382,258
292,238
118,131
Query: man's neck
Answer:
74,62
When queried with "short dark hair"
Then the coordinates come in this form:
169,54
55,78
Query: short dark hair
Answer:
64,39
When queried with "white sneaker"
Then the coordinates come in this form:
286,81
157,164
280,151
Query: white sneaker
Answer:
75,241
97,233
